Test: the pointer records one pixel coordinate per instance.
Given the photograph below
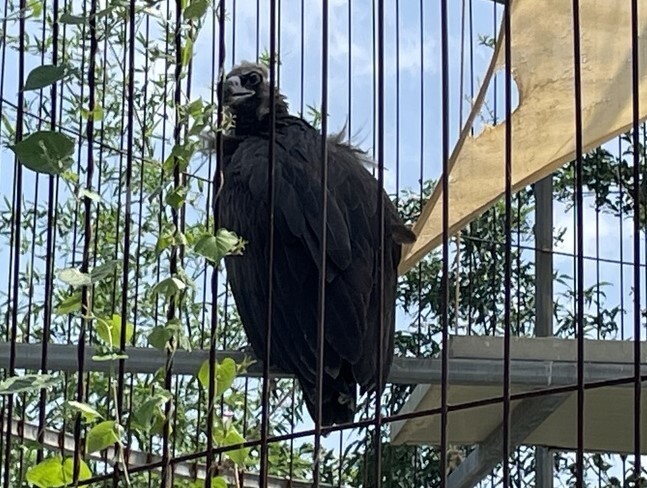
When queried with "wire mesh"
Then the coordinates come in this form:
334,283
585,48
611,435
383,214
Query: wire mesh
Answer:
125,359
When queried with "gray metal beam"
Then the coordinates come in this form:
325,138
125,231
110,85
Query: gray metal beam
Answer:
462,371
58,441
544,257
544,299
524,419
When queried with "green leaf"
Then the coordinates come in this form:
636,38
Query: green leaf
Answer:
95,115
159,337
180,239
164,241
214,248
68,470
103,435
8,126
229,438
42,76
187,52
92,195
70,304
180,156
176,197
36,8
149,413
196,107
110,330
87,411
218,482
68,18
104,270
196,9
27,383
45,152
46,474
105,12
49,473
168,287
225,375
74,277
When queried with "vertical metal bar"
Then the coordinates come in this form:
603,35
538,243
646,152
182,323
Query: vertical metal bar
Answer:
301,112
127,215
397,101
444,305
579,210
544,257
270,291
350,65
507,264
258,28
17,220
374,84
621,239
168,38
544,299
233,32
302,53
321,306
140,216
32,257
422,164
3,39
635,85
278,44
50,246
167,472
86,291
211,393
382,235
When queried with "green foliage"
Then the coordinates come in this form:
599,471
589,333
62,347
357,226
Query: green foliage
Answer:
45,152
43,76
196,9
27,383
55,472
103,435
610,178
225,374
74,277
214,248
226,435
110,330
88,412
150,416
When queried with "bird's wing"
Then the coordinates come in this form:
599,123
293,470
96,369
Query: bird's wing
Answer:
298,242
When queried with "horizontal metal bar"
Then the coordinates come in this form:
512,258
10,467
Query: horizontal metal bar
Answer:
63,442
464,371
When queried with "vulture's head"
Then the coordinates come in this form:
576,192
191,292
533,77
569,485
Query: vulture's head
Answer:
247,93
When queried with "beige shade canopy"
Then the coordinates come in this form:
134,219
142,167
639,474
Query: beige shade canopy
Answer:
543,124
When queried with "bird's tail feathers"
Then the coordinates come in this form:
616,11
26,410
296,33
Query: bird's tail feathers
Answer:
337,407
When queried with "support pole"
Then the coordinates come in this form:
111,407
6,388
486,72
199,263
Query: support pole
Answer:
544,299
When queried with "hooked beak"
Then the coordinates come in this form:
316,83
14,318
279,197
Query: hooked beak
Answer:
235,92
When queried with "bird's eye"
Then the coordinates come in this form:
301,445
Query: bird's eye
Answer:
253,79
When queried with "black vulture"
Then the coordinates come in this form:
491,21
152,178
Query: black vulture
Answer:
352,283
